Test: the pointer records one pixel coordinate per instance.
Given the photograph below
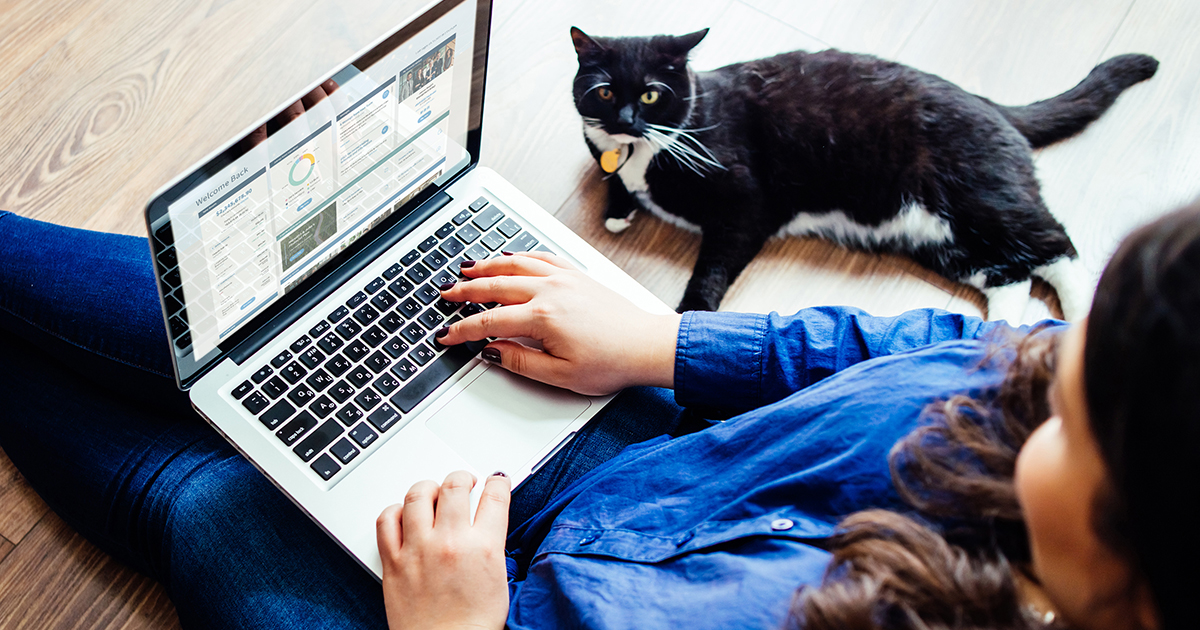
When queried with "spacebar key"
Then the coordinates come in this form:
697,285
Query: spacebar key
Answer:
434,375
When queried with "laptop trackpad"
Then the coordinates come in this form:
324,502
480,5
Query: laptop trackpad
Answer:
501,421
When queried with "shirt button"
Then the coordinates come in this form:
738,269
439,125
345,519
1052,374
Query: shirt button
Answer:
781,524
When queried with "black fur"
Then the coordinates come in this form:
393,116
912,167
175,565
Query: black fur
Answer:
816,132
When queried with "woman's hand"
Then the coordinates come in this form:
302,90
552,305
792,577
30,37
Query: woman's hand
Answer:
439,570
594,341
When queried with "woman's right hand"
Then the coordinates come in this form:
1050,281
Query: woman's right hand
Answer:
594,341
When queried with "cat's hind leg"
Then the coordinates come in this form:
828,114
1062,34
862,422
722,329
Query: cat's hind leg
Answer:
1008,301
1073,285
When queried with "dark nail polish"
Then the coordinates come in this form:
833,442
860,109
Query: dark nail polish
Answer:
506,253
446,286
499,473
490,354
466,264
442,332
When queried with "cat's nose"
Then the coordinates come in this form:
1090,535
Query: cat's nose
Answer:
626,114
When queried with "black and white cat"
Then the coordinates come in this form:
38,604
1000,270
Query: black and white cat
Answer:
866,152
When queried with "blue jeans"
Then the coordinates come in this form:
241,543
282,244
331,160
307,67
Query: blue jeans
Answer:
92,418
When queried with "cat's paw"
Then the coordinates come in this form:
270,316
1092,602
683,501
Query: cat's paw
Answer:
616,226
695,303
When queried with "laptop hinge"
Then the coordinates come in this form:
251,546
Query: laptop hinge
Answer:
337,278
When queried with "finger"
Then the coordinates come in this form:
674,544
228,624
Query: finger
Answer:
526,361
506,321
512,265
389,534
502,289
454,501
308,101
553,259
492,515
417,514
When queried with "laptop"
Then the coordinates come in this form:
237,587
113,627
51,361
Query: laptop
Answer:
298,268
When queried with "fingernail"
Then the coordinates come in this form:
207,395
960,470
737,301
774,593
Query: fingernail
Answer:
442,332
506,253
466,264
490,354
499,473
446,286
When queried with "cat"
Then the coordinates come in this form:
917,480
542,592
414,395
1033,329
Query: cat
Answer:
870,153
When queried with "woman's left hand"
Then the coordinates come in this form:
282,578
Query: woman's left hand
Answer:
439,569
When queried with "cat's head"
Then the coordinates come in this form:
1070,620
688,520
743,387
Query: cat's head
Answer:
627,84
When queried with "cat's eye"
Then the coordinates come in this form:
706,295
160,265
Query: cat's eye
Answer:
605,93
650,97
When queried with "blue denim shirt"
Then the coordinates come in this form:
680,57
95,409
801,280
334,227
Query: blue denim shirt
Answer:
714,529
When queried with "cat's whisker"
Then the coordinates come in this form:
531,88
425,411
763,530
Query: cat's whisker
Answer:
687,134
681,153
660,83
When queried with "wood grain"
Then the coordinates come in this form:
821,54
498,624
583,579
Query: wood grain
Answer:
56,579
27,30
878,27
20,506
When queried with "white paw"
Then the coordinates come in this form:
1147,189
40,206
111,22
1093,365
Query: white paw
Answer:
616,226
1008,302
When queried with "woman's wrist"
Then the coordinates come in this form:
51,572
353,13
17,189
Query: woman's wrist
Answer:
657,356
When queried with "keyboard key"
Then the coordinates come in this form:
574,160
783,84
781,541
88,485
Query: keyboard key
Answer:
431,319
444,231
384,418
319,380
339,314
348,329
281,359
374,336
509,228
423,384
472,309
384,301
274,387
318,440
486,219
461,217
344,451
300,343
403,369
316,331
378,362
523,243
446,306
356,350
293,372
428,294
366,315
368,399
349,414
422,354
338,365
409,308
312,358
445,276
468,234
428,244
435,259
330,343
281,411
375,285
410,258
478,204
386,384
400,287
356,299
297,427
342,391
413,333
393,271
241,390
322,406
395,347
492,240
301,396
392,322
452,247
417,273
359,376
363,435
172,278
262,374
255,403
325,467
476,252
178,326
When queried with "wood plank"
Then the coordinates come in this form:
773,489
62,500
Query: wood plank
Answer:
878,27
20,506
6,548
1142,158
56,579
27,31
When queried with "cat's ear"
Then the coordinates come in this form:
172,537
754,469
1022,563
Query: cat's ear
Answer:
683,44
585,46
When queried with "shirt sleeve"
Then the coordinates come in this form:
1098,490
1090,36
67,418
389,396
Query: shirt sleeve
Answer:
736,362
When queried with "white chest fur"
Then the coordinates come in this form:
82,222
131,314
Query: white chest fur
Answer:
632,172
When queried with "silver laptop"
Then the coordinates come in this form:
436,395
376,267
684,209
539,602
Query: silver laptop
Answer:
298,268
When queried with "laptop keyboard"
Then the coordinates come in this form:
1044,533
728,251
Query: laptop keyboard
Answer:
359,372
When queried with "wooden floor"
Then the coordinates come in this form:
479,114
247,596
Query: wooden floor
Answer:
104,100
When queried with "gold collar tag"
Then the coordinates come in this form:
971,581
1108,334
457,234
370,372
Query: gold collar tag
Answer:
610,161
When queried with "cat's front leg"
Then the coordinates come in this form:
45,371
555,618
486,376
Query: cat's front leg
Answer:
618,215
725,250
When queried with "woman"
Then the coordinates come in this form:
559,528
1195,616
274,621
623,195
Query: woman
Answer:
715,527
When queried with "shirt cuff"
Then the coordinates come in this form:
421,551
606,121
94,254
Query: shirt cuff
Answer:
718,360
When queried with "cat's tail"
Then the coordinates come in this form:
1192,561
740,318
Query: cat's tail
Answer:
1046,122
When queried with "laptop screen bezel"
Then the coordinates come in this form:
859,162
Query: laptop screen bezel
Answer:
157,207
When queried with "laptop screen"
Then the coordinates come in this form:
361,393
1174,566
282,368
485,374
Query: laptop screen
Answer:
289,200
